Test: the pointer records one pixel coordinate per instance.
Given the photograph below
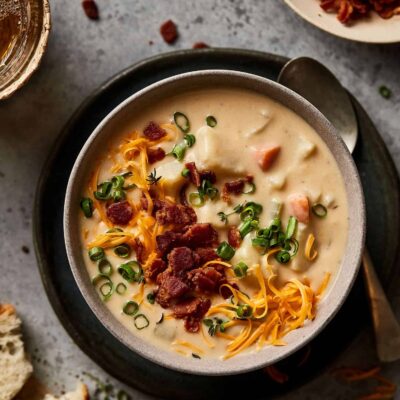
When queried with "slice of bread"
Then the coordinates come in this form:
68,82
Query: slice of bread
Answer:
81,393
15,369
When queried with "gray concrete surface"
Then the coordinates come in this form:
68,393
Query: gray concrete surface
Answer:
81,55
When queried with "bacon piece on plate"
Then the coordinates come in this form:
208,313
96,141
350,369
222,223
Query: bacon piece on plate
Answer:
153,131
120,213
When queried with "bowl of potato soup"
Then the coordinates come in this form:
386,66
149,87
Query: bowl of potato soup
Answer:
214,222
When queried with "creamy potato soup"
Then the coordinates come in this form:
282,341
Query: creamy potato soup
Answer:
213,224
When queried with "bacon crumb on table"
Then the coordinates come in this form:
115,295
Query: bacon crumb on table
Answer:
169,31
200,45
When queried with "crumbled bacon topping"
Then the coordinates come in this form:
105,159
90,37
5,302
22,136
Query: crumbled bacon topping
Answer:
120,213
234,238
154,155
194,174
153,131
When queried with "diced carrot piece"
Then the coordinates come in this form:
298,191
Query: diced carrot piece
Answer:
265,157
299,207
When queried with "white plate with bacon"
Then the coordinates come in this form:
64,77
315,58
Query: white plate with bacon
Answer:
369,21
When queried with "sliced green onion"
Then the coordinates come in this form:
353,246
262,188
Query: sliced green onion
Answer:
104,266
118,195
292,246
185,172
211,121
182,122
161,319
130,308
131,271
190,140
385,92
151,298
196,200
141,321
121,288
264,233
244,311
225,251
117,181
319,210
208,189
239,208
260,242
194,355
240,269
251,188
87,207
275,225
247,226
123,250
106,288
223,217
283,256
291,227
179,151
96,253
251,210
103,191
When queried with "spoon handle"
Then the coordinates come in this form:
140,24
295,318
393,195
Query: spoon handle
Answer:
386,326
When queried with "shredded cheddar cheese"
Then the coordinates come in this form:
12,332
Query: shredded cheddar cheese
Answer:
309,253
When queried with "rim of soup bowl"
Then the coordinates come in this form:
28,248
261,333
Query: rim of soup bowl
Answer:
339,288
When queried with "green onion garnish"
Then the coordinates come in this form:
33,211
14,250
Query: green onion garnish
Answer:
151,298
182,122
385,92
123,250
96,253
141,321
103,191
130,308
251,210
223,217
244,311
185,172
179,150
251,188
247,226
211,121
106,288
291,227
207,189
240,269
131,271
214,325
292,246
196,200
118,195
117,181
105,267
225,251
121,288
260,242
283,256
319,210
190,140
87,207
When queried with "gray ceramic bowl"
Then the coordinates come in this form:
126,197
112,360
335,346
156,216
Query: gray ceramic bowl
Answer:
356,232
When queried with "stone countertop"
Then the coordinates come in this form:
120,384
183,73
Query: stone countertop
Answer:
81,55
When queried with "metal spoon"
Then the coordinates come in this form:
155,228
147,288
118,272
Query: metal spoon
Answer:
319,86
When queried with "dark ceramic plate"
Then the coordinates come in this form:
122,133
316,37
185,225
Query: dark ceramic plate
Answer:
381,188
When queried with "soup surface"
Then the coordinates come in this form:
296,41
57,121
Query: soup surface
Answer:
213,223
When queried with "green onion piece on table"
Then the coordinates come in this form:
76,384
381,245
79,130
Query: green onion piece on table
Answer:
182,122
141,321
211,121
130,308
123,250
225,251
96,253
87,207
319,210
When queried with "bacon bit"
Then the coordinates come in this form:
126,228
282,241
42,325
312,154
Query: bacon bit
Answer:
234,238
91,9
154,131
208,175
120,213
276,375
182,194
235,187
200,45
154,155
194,174
169,31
